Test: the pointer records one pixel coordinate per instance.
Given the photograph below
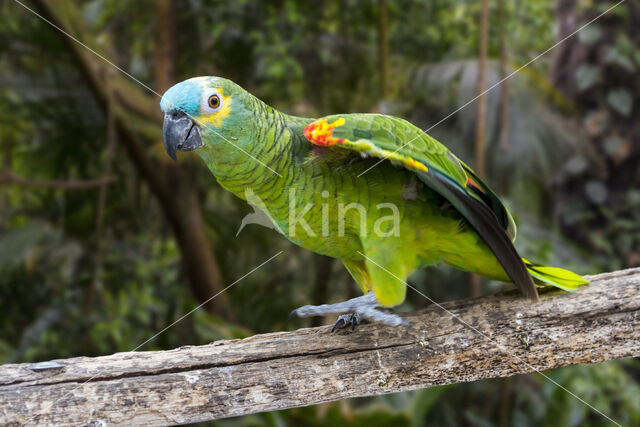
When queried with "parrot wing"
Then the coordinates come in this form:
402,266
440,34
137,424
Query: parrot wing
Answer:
408,146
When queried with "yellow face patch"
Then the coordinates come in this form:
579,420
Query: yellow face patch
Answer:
214,117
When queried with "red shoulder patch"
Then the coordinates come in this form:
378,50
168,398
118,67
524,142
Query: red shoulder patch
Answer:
320,132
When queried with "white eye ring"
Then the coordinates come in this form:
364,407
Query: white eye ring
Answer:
212,102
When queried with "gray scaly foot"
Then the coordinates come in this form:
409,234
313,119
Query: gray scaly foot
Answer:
364,307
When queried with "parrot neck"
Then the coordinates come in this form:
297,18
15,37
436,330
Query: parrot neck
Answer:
267,152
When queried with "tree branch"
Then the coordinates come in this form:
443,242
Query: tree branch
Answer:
310,366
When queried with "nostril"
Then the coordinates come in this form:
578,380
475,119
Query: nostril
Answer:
176,114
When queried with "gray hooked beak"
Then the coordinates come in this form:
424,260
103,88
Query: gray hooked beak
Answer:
180,133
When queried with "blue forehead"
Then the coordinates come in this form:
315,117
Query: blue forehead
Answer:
184,96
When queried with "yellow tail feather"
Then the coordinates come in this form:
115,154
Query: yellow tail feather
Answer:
554,276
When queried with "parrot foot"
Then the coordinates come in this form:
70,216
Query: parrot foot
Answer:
354,311
345,320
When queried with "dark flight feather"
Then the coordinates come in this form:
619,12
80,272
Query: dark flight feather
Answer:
485,222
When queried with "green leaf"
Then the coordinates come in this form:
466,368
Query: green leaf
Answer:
636,56
633,197
576,165
590,34
596,191
16,244
620,100
586,76
611,144
616,56
596,122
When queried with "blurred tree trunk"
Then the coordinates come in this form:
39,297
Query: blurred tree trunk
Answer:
565,55
504,70
383,48
200,262
481,117
165,45
504,414
102,193
136,112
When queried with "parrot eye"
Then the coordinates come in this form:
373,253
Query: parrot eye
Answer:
214,101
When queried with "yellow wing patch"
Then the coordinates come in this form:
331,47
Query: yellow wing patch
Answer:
364,146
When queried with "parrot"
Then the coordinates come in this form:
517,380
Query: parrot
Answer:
372,190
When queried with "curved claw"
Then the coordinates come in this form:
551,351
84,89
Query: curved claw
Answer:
344,320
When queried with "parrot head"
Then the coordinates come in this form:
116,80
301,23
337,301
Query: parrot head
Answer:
201,110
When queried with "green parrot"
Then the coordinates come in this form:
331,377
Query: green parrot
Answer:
319,182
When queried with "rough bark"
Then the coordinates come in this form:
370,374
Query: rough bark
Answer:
309,366
134,113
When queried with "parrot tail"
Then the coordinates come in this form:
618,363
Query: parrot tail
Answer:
554,276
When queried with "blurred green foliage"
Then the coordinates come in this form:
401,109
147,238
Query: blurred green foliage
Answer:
308,58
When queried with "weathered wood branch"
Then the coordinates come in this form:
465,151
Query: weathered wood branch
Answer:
309,366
